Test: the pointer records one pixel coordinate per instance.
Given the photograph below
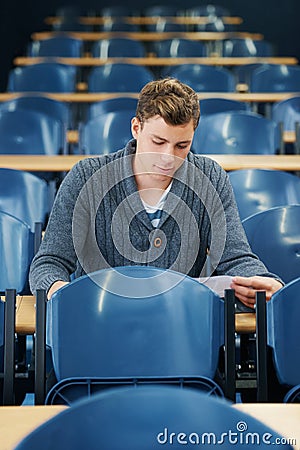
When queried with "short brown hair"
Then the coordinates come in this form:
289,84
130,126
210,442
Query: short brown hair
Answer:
171,99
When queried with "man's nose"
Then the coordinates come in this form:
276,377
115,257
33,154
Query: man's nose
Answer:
168,153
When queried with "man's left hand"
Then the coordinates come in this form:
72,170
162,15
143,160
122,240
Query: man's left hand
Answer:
245,288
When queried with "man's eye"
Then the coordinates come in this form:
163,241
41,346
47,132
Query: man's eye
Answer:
182,147
158,142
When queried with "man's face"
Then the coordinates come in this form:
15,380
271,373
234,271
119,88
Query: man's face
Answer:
161,148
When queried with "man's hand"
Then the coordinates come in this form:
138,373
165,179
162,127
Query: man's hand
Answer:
55,286
245,288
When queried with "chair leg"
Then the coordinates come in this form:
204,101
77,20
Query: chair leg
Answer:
261,347
9,347
40,349
230,344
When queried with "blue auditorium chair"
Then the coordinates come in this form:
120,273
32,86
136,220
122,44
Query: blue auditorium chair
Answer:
275,78
246,47
256,190
237,132
118,78
215,105
58,46
118,47
274,235
283,336
204,78
25,196
131,313
111,105
106,133
43,77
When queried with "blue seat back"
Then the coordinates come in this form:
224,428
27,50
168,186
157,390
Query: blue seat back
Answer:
56,109
106,133
179,47
60,46
208,10
149,418
205,78
275,78
215,105
135,321
274,235
118,78
30,132
116,24
118,47
248,47
256,190
288,112
111,105
236,132
16,252
283,312
24,195
43,77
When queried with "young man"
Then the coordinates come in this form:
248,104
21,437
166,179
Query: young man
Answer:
152,203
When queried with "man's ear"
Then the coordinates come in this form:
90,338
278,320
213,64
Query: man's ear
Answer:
135,127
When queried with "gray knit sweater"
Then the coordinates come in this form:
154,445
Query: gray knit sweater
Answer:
98,221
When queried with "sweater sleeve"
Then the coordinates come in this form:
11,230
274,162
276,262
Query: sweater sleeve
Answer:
56,257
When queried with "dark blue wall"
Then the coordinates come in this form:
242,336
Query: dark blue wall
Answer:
278,20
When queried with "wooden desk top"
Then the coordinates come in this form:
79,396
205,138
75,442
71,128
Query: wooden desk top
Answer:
156,61
25,314
149,35
63,163
200,20
17,421
90,97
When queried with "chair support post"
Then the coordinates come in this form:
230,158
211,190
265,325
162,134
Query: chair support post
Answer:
40,336
9,348
229,328
261,347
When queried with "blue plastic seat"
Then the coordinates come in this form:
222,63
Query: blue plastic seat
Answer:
62,46
274,235
215,105
208,10
215,24
37,102
204,78
111,105
160,10
244,71
256,190
131,313
118,78
30,132
275,78
287,112
106,133
179,47
236,132
16,252
240,47
43,77
283,336
149,418
24,195
117,47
